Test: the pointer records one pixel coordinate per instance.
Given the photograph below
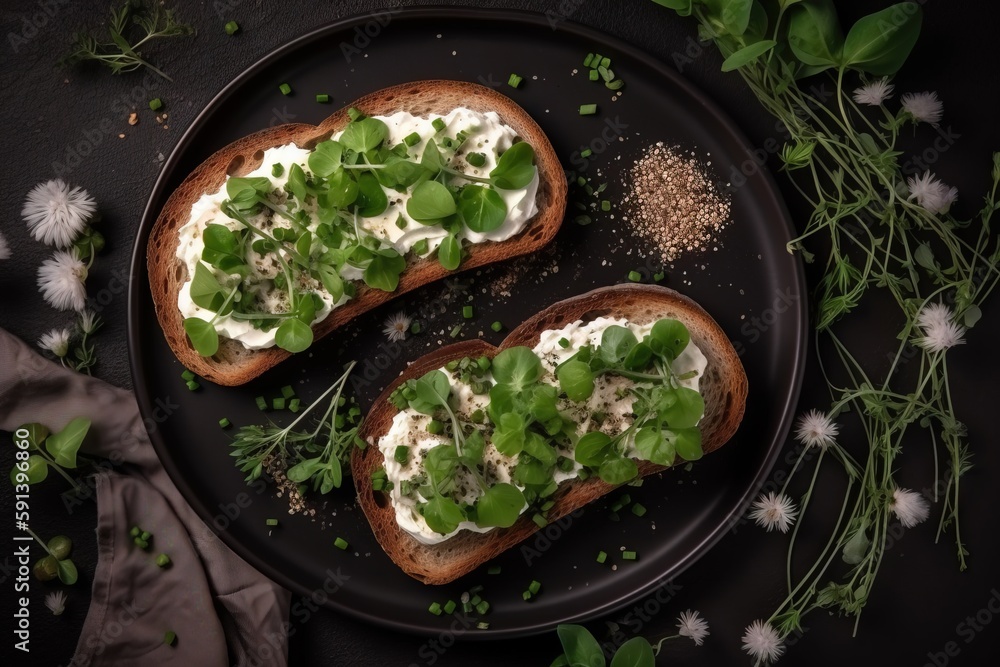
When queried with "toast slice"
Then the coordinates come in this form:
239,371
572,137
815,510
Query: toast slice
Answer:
234,364
723,386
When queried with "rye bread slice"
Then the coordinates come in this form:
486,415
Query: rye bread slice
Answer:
234,364
724,388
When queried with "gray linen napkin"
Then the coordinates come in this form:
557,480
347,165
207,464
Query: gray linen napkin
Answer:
219,607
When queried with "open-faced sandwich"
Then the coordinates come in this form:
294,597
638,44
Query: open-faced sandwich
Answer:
286,234
475,447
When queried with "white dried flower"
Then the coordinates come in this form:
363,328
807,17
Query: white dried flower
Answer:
89,321
60,280
816,429
909,507
940,331
923,107
57,213
874,93
396,326
4,248
931,193
774,511
691,624
763,642
56,342
56,602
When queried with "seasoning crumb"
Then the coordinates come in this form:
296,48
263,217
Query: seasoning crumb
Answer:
121,136
133,118
673,204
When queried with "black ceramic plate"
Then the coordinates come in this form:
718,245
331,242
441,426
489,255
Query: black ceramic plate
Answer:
748,276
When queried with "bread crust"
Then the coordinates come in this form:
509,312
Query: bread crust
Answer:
234,364
724,388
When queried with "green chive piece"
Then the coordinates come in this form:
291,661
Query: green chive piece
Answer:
224,423
547,505
232,28
447,142
588,109
287,391
340,543
476,159
586,152
467,607
477,416
634,276
534,587
354,114
638,510
478,588
455,330
629,555
564,343
192,385
583,220
435,427
170,638
415,328
605,73
614,85
294,405
435,608
496,326
589,59
614,517
602,556
605,62
438,124
526,595
135,532
493,570
277,169
658,276
378,484
514,81
594,75
285,89
322,98
412,139
449,607
279,403
540,520
605,205
625,500
141,543
188,376
482,607
271,522
145,536
261,403
467,312
163,560
402,455
156,104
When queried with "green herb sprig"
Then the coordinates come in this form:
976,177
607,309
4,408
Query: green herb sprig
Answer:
320,456
131,27
56,451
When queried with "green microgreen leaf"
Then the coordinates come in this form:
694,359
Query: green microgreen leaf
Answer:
430,202
443,515
580,647
293,335
364,135
67,572
37,470
481,209
384,269
64,444
576,380
618,470
326,158
371,199
616,343
499,506
203,336
814,35
450,252
515,169
747,54
636,652
518,367
592,449
880,43
653,447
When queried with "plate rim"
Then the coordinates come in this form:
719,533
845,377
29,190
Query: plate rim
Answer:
137,267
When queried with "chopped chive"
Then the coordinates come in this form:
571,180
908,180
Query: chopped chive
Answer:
156,104
285,89
483,625
435,608
476,599
606,74
438,124
340,543
447,142
141,543
597,59
478,588
638,510
279,403
629,555
261,403
564,342
467,607
354,114
581,181
232,28
594,75
540,520
482,607
589,189
449,606
514,81
170,638
476,159
589,59
412,139
658,276
526,595
625,500
435,427
605,62
294,404
614,85
277,169
192,385
402,454
483,363
582,474
287,391
496,326
605,205
477,416
614,517
634,276
495,569
588,109
188,375
378,484
467,312
135,532
547,505
535,586
455,330
163,560
145,536
415,328
322,98
586,152
602,556
271,522
583,220
224,423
